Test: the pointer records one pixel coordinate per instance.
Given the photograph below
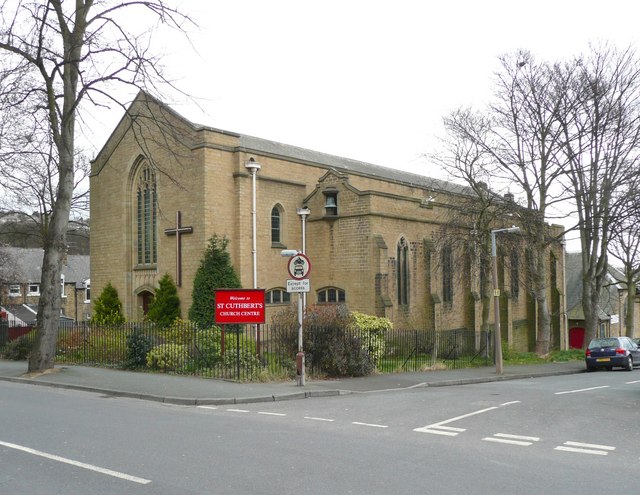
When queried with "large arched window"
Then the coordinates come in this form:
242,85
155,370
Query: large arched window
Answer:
146,216
402,272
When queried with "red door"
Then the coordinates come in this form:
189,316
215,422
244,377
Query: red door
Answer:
576,338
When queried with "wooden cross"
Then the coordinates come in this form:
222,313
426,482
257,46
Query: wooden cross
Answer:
178,231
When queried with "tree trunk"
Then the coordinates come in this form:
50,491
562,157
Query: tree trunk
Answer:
630,317
590,301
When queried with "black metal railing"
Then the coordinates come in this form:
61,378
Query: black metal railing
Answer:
250,352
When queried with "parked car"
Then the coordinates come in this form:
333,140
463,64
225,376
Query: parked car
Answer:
609,352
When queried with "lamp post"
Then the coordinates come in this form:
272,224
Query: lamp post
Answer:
496,298
253,166
303,213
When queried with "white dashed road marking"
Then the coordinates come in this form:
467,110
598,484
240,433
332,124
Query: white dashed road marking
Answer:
271,413
507,438
369,424
319,419
585,448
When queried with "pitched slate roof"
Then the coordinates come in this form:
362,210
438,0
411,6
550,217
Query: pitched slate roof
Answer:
303,155
25,266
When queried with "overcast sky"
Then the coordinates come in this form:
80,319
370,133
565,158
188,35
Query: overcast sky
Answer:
370,80
367,79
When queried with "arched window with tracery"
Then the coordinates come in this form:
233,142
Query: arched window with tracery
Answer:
146,216
402,272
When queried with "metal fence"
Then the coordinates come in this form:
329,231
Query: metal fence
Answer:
254,352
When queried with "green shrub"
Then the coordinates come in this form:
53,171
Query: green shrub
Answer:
334,351
374,330
107,308
250,366
165,307
20,348
138,346
180,332
215,272
206,352
168,357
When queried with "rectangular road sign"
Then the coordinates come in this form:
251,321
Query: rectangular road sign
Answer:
298,285
239,306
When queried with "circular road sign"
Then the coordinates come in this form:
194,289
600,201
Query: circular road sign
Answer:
299,266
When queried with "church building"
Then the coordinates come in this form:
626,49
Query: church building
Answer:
162,186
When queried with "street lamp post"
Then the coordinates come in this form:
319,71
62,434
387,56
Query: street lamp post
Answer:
252,166
496,298
303,213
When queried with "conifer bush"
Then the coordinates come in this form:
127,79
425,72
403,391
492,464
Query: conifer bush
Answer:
215,272
107,308
165,308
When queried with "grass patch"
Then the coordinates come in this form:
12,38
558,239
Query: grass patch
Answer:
513,357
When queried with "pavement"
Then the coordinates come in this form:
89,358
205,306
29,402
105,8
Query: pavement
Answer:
187,390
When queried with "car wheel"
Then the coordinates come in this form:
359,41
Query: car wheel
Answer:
629,366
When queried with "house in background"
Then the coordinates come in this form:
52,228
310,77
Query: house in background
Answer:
612,304
20,290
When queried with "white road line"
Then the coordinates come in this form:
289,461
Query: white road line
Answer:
271,413
507,441
509,403
450,428
82,465
369,424
581,451
585,448
634,381
319,419
517,437
589,445
238,410
207,407
580,390
512,439
438,432
428,428
450,431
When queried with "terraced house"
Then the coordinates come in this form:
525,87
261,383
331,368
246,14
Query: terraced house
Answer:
162,186
20,288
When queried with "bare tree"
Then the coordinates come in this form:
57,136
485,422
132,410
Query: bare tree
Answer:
518,140
60,58
624,246
600,120
467,228
29,171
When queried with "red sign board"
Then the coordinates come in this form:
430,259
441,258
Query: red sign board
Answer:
239,306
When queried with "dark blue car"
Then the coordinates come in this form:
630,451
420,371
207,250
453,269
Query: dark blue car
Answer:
610,352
